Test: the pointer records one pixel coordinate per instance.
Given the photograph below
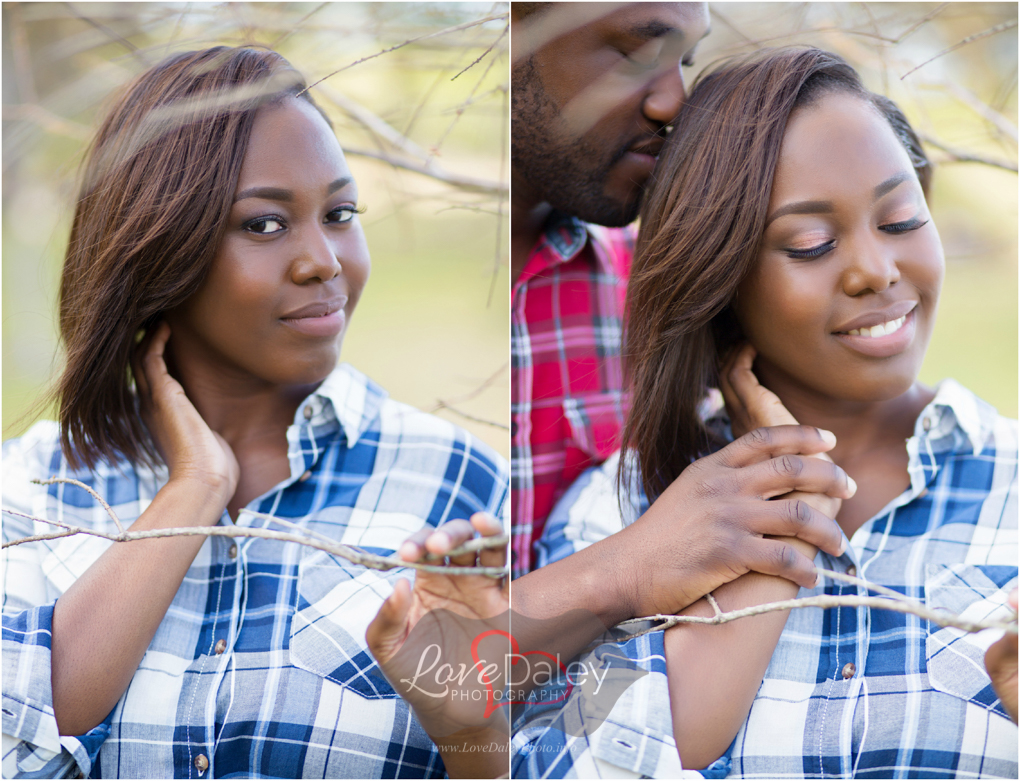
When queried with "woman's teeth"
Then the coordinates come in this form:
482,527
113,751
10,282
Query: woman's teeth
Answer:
882,329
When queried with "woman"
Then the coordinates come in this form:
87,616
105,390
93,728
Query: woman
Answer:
789,211
217,224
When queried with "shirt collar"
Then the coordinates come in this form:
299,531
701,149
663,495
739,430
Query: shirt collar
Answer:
954,407
563,238
346,396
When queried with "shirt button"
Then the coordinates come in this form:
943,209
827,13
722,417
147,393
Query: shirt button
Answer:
926,423
201,763
849,669
308,413
221,646
305,476
851,571
232,553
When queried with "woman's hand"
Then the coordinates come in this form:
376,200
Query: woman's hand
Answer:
461,621
1001,663
192,451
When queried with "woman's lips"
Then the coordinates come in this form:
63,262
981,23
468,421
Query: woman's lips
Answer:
882,340
325,325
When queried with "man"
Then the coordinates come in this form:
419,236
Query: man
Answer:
592,94
594,87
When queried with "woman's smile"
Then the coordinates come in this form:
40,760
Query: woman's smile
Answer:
881,334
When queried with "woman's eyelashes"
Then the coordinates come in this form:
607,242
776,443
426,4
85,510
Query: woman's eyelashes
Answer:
269,224
903,227
894,228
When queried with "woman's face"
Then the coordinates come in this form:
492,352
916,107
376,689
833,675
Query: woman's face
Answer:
292,262
841,301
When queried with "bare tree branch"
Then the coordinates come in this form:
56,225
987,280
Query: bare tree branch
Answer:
1009,24
300,535
445,31
891,601
963,156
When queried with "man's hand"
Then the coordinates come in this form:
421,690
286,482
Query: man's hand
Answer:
438,641
750,405
1001,663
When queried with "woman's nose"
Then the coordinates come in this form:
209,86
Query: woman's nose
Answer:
872,265
317,257
665,96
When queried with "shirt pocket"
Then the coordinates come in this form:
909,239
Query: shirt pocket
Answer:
596,422
956,659
335,605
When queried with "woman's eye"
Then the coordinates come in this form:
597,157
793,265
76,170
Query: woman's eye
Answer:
264,225
342,214
813,252
903,227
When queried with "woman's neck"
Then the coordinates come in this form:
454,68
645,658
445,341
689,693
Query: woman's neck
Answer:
237,406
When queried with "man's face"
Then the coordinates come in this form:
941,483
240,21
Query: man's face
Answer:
592,94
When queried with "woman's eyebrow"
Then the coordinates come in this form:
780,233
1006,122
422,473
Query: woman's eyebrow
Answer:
281,194
824,207
891,183
801,207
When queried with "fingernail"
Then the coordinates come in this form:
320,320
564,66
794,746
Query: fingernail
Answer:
842,546
818,580
827,436
852,484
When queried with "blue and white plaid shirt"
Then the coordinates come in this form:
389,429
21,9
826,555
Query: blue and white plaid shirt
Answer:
916,703
260,667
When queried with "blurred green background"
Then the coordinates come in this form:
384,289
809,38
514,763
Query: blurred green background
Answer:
965,101
433,324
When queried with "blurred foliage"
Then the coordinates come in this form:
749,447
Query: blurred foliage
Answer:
952,68
411,88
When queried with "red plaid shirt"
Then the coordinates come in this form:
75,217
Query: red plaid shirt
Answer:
567,400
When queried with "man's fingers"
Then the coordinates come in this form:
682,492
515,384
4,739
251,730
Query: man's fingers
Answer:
786,473
763,444
797,518
774,557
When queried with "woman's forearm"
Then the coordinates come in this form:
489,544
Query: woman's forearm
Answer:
103,624
715,671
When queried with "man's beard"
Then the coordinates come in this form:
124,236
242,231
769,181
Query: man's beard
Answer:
568,173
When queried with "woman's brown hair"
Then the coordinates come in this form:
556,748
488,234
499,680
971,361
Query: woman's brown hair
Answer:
701,228
158,183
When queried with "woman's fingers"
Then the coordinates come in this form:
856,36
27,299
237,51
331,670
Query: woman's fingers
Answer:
487,526
762,406
389,628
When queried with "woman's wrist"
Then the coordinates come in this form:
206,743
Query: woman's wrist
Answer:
191,502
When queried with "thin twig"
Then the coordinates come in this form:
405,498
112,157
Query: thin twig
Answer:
482,55
1001,27
496,424
353,555
895,601
474,393
957,155
432,170
96,496
445,31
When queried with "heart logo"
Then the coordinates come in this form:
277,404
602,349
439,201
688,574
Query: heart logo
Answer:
490,702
